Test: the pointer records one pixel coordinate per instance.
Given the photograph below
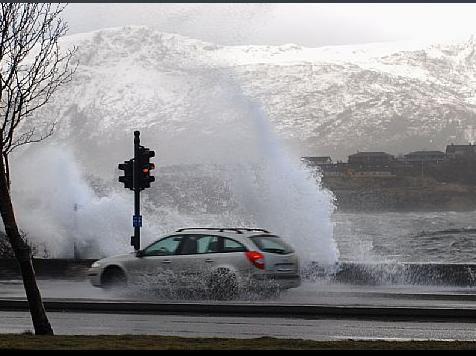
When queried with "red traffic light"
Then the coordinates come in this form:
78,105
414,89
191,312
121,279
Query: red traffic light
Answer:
148,168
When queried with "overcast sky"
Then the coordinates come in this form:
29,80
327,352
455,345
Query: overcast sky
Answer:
310,25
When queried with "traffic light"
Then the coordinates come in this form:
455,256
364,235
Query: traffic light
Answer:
137,177
127,178
144,167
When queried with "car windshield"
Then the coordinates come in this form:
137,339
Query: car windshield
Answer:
272,244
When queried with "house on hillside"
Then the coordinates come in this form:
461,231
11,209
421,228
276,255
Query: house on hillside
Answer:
370,159
461,151
425,157
324,163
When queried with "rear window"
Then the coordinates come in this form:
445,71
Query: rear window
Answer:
272,244
232,246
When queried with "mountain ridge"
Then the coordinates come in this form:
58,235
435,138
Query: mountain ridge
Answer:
393,97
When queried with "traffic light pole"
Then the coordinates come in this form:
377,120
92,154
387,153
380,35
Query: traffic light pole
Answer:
137,177
136,220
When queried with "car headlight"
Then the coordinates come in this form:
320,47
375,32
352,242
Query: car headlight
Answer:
95,264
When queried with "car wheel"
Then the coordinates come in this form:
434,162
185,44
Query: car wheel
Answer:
223,285
114,278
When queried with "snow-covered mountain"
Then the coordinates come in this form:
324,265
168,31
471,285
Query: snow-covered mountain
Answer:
393,97
199,105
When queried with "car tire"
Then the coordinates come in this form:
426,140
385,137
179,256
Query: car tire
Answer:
114,278
223,285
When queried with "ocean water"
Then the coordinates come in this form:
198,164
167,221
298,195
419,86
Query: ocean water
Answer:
436,237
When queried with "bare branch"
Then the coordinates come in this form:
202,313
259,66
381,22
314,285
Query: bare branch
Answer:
32,68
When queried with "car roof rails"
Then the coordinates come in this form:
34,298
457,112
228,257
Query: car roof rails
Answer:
238,230
221,229
253,229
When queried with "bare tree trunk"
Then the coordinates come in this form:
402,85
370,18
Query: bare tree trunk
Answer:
32,68
23,255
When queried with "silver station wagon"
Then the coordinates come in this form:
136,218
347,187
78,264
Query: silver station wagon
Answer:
225,261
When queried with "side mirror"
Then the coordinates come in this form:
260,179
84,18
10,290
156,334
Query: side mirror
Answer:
140,253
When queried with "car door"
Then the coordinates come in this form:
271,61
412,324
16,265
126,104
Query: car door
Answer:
232,256
207,253
155,265
194,259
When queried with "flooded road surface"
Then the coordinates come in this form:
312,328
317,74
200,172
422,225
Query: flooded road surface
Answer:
309,293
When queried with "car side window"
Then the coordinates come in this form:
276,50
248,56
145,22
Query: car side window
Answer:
166,246
230,245
188,246
207,244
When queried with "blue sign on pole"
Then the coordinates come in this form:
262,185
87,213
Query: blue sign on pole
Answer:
137,221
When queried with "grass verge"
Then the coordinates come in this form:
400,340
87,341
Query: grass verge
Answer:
141,342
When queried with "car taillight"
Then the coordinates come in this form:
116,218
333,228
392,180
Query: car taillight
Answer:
256,258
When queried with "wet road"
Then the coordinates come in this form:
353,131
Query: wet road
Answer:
320,293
